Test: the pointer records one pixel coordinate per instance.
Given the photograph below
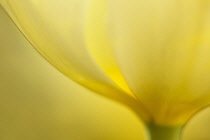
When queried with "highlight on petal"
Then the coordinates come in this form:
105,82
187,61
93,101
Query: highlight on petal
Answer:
99,44
151,55
162,50
59,36
59,32
38,103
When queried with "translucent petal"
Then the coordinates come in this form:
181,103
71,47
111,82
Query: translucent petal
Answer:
57,31
159,46
99,44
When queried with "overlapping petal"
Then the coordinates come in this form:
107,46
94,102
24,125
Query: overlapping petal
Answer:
152,53
99,44
162,49
58,31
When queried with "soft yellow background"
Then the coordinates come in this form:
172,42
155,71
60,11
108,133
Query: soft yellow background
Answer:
37,102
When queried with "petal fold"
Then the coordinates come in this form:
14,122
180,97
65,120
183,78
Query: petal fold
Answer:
57,31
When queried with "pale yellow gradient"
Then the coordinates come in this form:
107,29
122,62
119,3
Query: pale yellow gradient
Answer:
151,55
58,32
37,102
198,127
162,48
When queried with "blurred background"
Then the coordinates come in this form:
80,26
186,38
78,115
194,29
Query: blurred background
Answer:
37,102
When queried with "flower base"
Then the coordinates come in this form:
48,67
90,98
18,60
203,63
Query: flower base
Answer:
157,132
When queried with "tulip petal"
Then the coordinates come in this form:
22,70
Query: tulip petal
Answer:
99,45
156,43
57,31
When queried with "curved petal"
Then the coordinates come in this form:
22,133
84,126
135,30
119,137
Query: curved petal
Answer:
99,45
57,30
157,45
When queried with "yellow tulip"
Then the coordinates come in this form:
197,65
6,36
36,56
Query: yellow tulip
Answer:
150,55
39,103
